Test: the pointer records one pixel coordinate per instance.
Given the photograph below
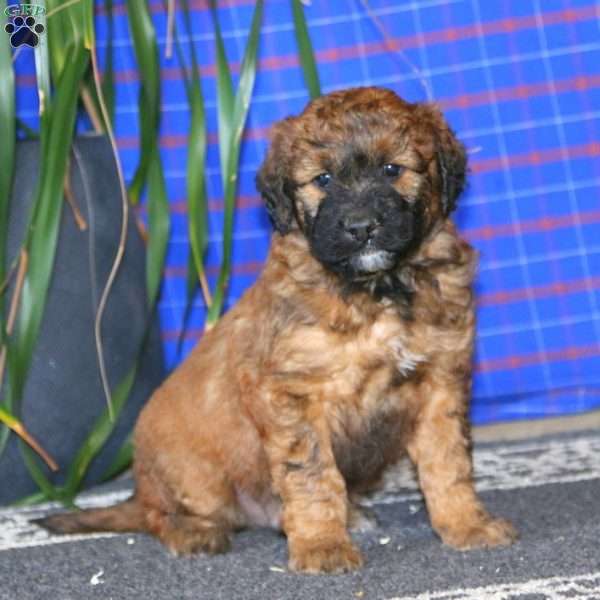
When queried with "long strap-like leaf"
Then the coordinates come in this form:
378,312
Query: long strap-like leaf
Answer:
43,233
233,112
225,95
150,167
7,159
146,53
197,199
108,79
305,50
97,437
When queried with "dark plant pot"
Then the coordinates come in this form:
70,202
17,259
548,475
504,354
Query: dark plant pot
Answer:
63,395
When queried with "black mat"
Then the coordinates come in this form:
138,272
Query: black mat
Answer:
549,488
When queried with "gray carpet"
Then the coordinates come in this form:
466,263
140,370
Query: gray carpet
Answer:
549,488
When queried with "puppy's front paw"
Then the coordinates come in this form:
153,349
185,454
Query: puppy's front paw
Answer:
485,533
333,557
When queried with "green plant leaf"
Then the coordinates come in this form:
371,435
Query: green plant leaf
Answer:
108,78
121,461
43,231
191,285
57,130
30,500
197,199
7,148
305,50
7,160
64,30
9,401
230,136
100,432
87,16
31,462
146,53
225,96
159,226
42,70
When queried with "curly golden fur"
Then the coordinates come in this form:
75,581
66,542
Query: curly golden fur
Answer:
352,348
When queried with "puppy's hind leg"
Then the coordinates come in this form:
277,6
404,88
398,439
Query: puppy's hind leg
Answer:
201,514
188,534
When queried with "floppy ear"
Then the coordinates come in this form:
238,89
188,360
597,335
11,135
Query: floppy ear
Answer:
451,158
272,180
452,167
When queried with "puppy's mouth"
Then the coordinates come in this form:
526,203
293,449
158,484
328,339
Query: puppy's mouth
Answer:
371,260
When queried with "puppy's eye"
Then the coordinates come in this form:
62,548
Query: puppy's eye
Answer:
392,170
323,179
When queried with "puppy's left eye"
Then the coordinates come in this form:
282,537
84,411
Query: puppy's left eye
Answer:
323,179
392,170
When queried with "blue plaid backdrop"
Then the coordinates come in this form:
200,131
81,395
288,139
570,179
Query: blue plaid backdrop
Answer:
519,80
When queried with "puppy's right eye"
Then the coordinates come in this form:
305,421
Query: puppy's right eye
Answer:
323,179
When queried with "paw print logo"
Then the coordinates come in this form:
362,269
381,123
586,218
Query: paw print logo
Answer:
24,31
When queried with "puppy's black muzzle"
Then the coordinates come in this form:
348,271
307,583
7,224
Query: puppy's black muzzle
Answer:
356,233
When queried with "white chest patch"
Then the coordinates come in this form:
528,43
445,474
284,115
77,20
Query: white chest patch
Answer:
406,361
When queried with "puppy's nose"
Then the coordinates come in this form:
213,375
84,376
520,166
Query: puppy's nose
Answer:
360,229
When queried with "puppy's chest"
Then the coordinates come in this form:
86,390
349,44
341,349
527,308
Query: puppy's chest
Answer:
393,344
362,367
368,422
396,345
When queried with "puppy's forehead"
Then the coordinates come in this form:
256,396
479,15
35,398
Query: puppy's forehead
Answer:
349,131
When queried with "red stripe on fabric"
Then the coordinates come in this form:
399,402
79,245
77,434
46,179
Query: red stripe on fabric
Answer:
242,268
159,7
537,157
350,52
560,288
26,80
526,360
463,101
171,335
521,92
486,232
532,226
503,26
579,83
180,206
180,140
449,35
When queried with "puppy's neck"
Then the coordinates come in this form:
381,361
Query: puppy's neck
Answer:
443,258
291,263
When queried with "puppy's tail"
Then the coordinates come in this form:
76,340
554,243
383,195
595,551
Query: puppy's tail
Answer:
125,516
